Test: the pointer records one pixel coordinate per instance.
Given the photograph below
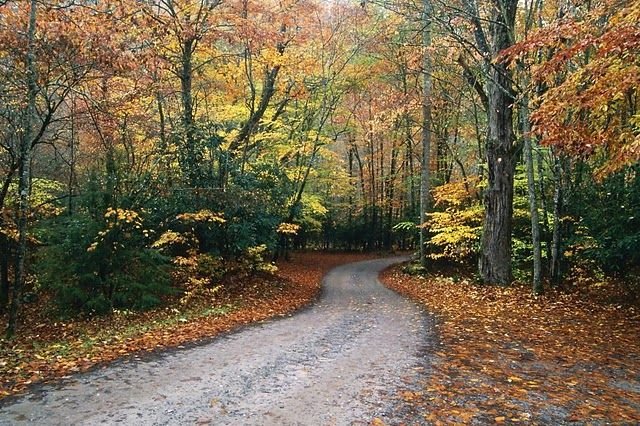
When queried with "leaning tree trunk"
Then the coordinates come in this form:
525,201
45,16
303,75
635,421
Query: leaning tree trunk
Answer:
25,175
495,257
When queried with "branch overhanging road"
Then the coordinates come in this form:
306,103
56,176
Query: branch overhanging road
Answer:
345,360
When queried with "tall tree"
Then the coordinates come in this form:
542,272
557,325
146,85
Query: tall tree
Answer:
186,26
525,127
495,256
24,164
426,125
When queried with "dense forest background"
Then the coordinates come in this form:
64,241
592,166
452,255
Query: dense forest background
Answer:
149,148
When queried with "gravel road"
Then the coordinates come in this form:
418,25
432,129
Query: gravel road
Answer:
345,360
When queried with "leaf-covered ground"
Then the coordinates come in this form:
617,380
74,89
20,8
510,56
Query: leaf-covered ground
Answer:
508,357
47,349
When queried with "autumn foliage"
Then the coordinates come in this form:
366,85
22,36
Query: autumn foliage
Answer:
507,356
48,350
589,77
175,148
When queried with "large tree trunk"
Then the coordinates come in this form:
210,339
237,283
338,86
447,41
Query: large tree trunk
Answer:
426,128
495,257
24,183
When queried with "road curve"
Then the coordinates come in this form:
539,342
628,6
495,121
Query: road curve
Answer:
343,361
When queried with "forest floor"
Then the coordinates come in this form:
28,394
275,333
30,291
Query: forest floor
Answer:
501,355
47,349
510,357
350,358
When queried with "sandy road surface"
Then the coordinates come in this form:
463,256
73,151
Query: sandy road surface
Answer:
343,361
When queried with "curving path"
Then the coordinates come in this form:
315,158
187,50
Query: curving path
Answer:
343,361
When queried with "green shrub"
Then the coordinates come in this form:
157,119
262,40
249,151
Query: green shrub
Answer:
95,266
608,222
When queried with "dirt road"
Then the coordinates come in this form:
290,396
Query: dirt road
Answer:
345,360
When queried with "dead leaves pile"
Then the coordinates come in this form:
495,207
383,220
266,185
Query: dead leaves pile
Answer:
508,357
46,349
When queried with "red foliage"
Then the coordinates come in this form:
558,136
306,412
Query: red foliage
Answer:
586,75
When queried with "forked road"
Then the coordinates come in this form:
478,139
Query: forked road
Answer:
345,360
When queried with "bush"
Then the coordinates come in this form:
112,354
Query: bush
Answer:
198,275
608,222
455,229
95,266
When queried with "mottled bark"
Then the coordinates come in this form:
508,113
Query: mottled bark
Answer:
495,258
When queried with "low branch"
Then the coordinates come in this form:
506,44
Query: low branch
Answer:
474,82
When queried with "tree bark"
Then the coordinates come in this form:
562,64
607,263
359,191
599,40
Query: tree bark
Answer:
545,214
24,183
533,202
558,207
5,242
495,258
72,181
390,196
189,162
4,273
426,128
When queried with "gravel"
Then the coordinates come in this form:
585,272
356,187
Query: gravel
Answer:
349,358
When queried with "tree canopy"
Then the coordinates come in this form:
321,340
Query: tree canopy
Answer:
147,147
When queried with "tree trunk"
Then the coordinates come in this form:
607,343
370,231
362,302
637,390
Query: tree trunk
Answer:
24,182
189,162
351,200
5,243
391,195
373,193
545,214
71,183
556,241
476,122
495,257
533,202
4,273
426,128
